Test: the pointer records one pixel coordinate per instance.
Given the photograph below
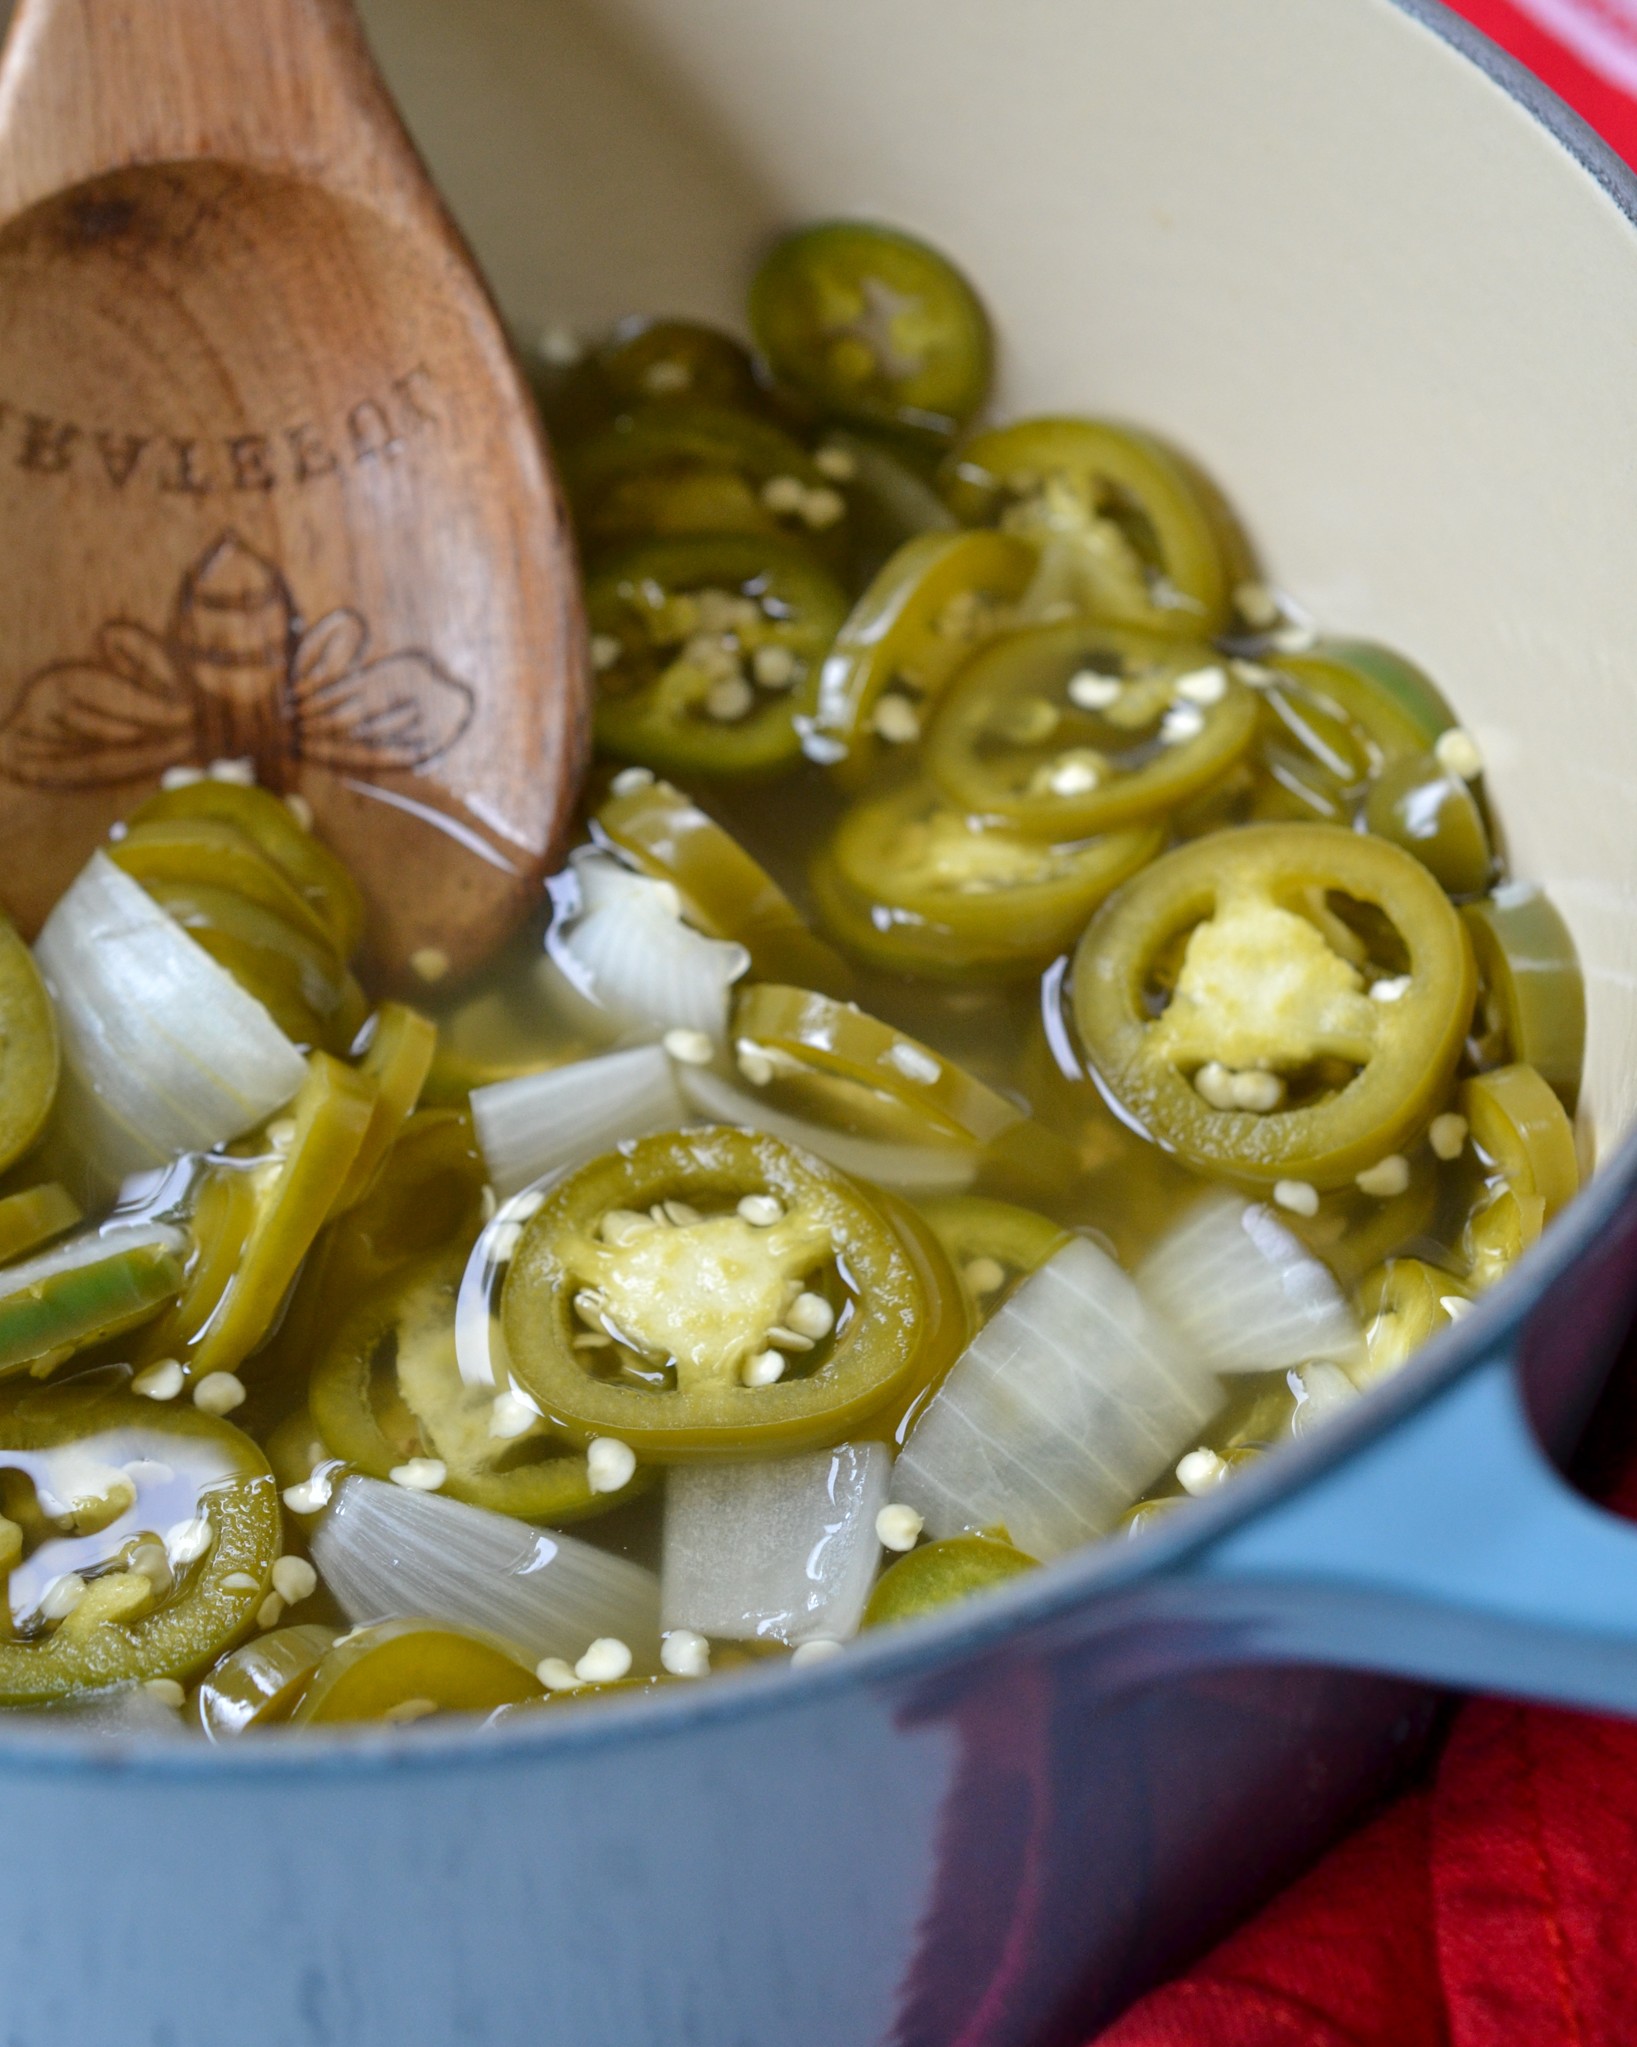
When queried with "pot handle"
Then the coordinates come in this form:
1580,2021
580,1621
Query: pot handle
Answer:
1449,1549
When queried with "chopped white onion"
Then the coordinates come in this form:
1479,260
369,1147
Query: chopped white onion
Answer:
779,1551
910,1168
548,1122
626,948
1070,1401
163,1051
1243,1293
390,1554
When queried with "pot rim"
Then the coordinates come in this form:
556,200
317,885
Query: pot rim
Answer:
893,1660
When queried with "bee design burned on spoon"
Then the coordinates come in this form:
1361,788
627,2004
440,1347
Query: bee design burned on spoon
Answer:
235,675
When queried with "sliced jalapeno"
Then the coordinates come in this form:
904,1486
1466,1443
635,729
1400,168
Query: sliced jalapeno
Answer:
94,1286
653,363
268,822
1278,1002
708,651
992,1245
1401,1304
939,1574
810,1056
724,892
1074,729
873,326
259,1684
938,599
1398,707
1417,803
913,885
34,1217
28,1048
397,1057
405,1671
713,1293
209,850
675,471
1354,1231
1128,529
889,499
301,982
428,1198
1497,1234
388,1388
947,1323
1523,1130
1534,997
147,1537
1312,763
314,1146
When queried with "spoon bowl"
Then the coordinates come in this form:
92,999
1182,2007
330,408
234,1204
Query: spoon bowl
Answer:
272,491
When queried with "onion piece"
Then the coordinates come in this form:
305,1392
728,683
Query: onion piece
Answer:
624,946
547,1122
1244,1294
778,1551
1069,1401
388,1553
163,1051
907,1168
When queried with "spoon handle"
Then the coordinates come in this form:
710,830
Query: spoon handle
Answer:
88,86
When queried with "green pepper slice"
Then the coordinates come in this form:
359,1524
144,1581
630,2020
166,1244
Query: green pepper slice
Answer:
648,1295
405,1671
1402,1304
300,981
940,1574
992,1245
398,1050
1497,1234
708,651
1313,763
938,599
674,471
314,1146
34,1217
1417,803
889,499
388,1388
92,1287
1263,939
873,326
93,1480
812,1057
208,850
947,1324
725,893
1074,729
1522,1129
1128,530
646,363
915,886
1534,996
427,1198
268,822
259,1684
1398,707
29,1055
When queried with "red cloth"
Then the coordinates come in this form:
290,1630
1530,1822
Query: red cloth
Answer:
1496,1907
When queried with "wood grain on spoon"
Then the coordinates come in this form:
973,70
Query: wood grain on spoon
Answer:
271,486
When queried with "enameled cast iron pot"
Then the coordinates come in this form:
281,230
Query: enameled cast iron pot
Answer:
1388,293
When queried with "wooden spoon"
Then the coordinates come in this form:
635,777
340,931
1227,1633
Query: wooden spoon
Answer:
271,486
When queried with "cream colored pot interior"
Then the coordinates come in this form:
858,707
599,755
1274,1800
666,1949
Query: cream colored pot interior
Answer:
1303,237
